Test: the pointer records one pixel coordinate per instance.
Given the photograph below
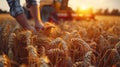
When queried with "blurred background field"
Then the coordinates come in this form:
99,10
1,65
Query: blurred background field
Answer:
4,17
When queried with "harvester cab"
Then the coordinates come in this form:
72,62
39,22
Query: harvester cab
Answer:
53,10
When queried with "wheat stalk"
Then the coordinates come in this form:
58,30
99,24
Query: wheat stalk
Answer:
77,64
11,43
117,46
33,55
55,55
81,41
87,59
28,37
60,40
4,61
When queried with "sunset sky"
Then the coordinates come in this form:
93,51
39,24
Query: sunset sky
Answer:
77,3
96,3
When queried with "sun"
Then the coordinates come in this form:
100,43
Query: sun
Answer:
76,5
84,7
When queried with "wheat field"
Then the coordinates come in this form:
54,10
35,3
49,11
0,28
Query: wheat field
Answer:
94,43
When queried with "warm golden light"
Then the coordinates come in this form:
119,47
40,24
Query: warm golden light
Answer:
75,5
84,7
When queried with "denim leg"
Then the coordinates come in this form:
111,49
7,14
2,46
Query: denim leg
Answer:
15,7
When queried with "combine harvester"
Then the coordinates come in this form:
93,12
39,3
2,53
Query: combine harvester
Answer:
56,10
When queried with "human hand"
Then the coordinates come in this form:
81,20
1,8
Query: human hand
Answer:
39,26
32,29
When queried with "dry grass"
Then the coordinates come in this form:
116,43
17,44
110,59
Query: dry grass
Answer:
69,44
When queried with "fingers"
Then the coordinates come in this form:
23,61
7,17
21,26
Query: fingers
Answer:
32,29
39,26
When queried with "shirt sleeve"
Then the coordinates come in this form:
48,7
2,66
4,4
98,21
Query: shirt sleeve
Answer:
15,7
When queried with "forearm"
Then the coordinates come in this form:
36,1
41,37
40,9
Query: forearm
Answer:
35,12
33,6
17,12
22,20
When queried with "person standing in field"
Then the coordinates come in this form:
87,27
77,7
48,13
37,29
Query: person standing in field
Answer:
18,13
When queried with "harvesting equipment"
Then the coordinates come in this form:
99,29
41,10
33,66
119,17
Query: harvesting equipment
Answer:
55,10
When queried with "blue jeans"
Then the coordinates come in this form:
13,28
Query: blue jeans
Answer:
15,7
